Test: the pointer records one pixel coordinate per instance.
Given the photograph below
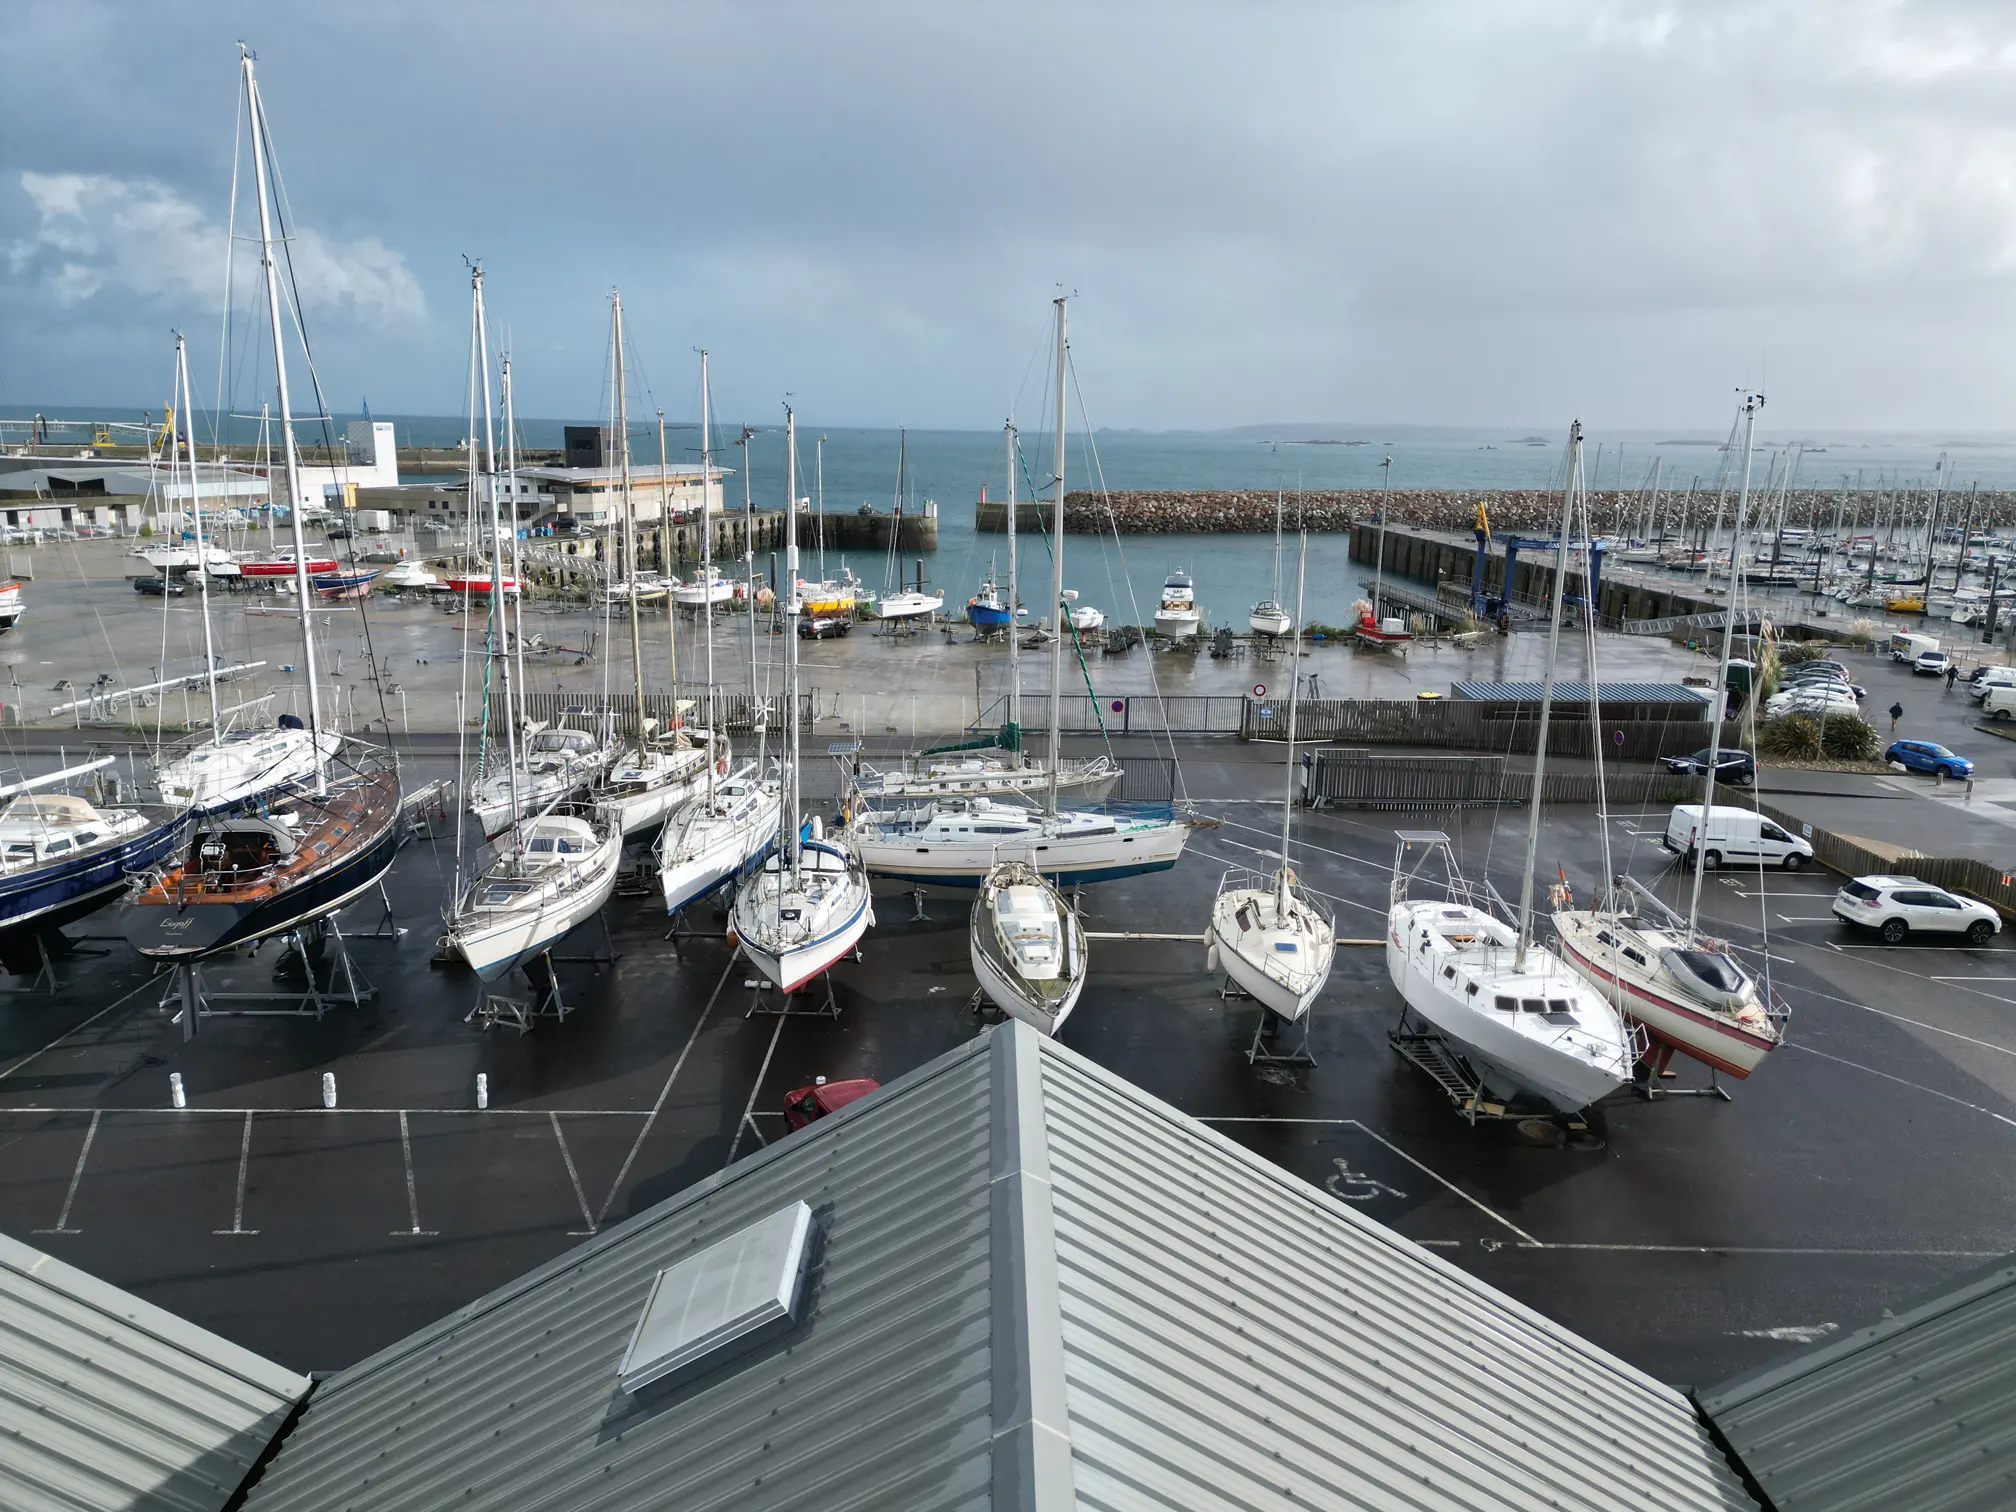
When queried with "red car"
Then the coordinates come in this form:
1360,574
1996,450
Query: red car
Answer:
822,1097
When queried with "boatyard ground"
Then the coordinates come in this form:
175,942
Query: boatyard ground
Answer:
1693,1236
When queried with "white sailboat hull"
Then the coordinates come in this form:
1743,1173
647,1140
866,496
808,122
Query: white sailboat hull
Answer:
792,928
1248,936
716,850
1567,1065
493,940
696,595
1277,623
993,776
902,606
212,777
1012,996
1027,947
1130,849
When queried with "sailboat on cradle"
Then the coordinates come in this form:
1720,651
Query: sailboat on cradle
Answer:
1268,617
808,904
1269,935
551,871
287,858
997,764
712,843
897,601
1684,987
1525,1021
954,840
658,770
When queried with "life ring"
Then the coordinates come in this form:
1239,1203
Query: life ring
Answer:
721,767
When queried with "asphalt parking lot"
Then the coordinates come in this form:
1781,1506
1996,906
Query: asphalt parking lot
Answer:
1865,1161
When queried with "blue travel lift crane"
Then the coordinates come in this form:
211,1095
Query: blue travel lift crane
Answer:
1513,545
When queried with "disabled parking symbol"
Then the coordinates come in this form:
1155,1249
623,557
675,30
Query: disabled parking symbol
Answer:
1356,1186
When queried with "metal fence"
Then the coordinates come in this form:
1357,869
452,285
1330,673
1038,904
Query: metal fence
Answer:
736,711
1464,725
1129,713
1980,879
1360,779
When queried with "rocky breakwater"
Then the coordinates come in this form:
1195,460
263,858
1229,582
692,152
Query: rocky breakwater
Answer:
1527,510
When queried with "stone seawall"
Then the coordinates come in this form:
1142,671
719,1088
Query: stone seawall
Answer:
1232,511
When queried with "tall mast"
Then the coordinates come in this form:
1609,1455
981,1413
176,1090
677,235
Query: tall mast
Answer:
665,562
1056,577
255,111
1014,640
819,468
629,514
184,401
787,841
1751,404
706,561
749,566
1547,693
1294,698
1379,553
515,626
499,625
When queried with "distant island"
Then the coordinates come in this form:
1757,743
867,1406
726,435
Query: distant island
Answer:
1324,443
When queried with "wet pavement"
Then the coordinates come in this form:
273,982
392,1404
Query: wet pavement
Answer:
1865,1161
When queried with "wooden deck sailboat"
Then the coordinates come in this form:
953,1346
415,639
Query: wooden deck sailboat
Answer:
728,827
808,904
286,860
1658,969
1270,935
1525,1022
546,874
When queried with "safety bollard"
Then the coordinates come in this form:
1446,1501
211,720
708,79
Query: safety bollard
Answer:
175,1092
482,1090
328,1089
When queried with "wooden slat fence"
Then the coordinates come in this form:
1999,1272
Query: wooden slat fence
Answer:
1360,779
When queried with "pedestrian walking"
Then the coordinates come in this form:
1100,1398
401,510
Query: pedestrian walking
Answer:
1952,674
1896,713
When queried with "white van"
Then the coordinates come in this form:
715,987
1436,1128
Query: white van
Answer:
1908,645
2000,702
1735,837
1993,678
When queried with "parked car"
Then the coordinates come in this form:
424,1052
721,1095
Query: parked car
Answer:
159,586
829,628
1732,835
1730,766
1824,676
1928,756
339,530
1812,698
1895,907
1985,678
809,1104
1932,663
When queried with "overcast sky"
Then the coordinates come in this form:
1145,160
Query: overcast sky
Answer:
1504,212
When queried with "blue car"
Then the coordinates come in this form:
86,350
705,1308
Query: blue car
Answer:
1929,756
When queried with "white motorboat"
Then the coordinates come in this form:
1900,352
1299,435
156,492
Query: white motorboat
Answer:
180,558
711,844
711,588
411,573
808,905
643,590
554,764
1526,1022
992,773
1027,946
1084,619
542,879
240,765
1269,934
909,604
1178,616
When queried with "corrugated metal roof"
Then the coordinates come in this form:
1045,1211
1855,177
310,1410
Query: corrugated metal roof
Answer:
884,1389
1916,1411
1578,692
107,1402
1234,1336
1038,1288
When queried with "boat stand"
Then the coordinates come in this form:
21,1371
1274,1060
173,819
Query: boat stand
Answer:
1652,1087
1269,1028
917,899
682,933
346,986
784,1007
1447,1068
609,955
45,982
387,927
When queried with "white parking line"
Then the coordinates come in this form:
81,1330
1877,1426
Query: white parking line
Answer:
666,1090
412,1191
76,1176
575,1177
244,1161
1915,1086
749,1108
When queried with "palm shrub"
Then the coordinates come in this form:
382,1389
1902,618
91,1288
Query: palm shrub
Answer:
1848,737
1792,654
1791,737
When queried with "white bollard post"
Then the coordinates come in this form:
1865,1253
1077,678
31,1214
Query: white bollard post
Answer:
328,1089
175,1093
482,1090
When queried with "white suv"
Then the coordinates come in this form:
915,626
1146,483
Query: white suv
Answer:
1898,906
